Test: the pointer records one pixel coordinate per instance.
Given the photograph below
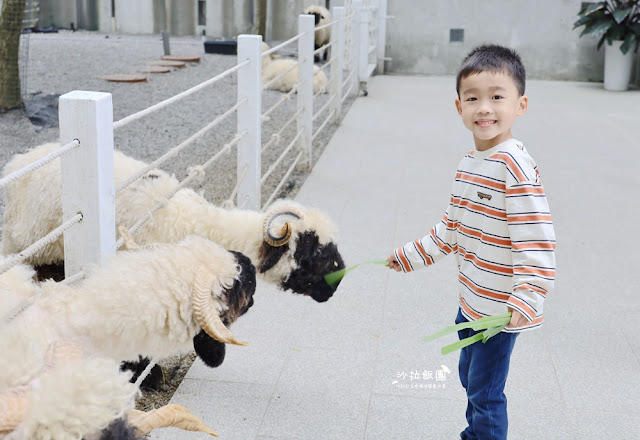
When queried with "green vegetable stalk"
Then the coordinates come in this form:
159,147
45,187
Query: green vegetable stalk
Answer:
492,325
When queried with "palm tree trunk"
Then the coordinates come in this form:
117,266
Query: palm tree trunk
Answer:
260,25
10,28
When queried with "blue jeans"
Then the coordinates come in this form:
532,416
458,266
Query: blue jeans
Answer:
483,372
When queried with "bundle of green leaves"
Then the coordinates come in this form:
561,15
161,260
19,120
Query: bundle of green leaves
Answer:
492,325
612,20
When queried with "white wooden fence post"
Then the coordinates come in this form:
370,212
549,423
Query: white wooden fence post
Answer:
382,35
249,147
87,178
337,66
362,19
306,27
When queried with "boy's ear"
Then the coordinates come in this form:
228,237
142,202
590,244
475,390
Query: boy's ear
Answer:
523,103
459,106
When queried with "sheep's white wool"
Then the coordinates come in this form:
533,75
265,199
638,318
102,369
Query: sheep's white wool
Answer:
273,67
75,399
33,208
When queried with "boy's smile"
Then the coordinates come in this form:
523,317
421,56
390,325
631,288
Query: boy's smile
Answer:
488,104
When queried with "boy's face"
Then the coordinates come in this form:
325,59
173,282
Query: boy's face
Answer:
488,104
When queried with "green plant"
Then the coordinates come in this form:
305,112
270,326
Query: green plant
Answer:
612,20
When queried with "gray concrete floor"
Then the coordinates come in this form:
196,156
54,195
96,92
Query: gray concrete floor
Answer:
335,370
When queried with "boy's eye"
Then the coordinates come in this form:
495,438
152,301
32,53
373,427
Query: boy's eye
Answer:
497,97
471,99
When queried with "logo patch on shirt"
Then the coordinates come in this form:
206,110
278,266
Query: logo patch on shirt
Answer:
484,196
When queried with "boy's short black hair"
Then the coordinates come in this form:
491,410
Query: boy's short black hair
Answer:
493,58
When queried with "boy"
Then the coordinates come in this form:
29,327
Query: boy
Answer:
499,227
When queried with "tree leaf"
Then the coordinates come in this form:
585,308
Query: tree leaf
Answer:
629,40
589,8
620,14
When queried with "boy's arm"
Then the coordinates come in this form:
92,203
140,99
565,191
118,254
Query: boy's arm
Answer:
533,244
430,249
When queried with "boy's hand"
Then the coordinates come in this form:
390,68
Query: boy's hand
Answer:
517,319
393,263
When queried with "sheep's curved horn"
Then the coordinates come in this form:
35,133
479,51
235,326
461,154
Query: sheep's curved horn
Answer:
205,311
168,416
13,408
285,234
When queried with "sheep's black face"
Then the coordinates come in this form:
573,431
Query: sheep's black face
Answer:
239,299
318,17
314,261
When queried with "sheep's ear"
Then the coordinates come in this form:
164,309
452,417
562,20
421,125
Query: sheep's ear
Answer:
210,351
270,255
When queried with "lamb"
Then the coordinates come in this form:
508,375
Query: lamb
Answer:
292,246
322,36
273,67
152,301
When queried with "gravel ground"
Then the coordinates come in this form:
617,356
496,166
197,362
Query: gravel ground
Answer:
66,61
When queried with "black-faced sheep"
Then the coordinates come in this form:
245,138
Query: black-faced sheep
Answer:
291,246
322,36
152,301
273,67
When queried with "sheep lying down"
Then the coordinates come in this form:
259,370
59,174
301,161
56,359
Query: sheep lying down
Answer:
292,246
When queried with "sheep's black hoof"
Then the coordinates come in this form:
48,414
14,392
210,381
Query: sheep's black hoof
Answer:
208,349
365,93
154,379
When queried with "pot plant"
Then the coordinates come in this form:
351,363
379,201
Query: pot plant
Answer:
618,23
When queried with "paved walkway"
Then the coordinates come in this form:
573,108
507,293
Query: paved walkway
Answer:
342,369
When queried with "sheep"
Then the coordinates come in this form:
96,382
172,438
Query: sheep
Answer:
152,301
273,67
322,36
296,259
69,396
53,388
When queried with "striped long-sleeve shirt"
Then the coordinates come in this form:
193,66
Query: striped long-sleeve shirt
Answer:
499,227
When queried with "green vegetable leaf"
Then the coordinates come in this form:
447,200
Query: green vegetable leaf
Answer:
461,344
478,324
490,332
334,277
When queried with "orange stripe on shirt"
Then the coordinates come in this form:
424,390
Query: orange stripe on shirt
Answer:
533,245
528,270
530,287
455,201
403,260
525,190
426,257
483,237
468,310
486,265
480,180
522,305
481,291
529,218
511,165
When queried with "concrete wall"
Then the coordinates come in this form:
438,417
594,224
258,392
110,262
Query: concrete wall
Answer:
540,30
226,19
282,17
